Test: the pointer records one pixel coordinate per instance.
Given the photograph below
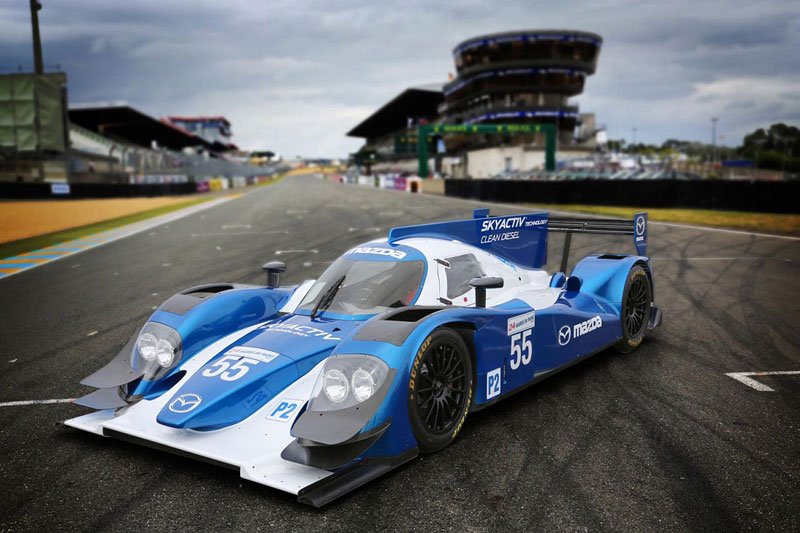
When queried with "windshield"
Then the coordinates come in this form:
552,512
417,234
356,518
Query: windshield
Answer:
364,287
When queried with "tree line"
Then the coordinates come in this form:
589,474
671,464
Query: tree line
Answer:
774,148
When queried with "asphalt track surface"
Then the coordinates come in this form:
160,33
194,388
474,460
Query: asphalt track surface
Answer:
660,439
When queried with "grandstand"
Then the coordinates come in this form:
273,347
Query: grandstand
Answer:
118,143
519,77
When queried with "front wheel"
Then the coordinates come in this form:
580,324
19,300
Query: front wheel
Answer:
637,304
440,389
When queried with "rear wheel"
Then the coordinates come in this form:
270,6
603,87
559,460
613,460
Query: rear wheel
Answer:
440,389
637,304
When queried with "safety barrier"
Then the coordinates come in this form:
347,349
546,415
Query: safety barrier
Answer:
92,190
762,196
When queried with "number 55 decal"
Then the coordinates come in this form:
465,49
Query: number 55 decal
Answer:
521,349
229,368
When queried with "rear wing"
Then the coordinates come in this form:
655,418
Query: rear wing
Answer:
602,226
522,239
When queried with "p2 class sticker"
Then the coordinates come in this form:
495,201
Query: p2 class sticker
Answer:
494,379
259,354
521,322
286,410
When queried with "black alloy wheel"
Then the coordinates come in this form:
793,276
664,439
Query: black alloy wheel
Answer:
636,308
440,391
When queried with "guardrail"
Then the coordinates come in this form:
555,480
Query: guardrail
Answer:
14,190
762,196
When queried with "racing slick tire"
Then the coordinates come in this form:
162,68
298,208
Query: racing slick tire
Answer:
637,304
440,389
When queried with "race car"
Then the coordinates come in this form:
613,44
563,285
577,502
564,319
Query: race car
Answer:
318,388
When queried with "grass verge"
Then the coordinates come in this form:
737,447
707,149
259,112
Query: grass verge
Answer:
741,220
22,246
273,181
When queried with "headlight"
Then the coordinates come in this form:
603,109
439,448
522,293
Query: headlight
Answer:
363,384
147,346
158,349
165,353
347,380
334,384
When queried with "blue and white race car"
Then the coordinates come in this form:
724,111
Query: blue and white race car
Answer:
318,388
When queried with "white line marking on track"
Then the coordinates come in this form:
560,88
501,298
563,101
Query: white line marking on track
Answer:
35,402
744,377
236,226
13,361
722,230
280,252
91,334
74,266
229,233
364,229
709,258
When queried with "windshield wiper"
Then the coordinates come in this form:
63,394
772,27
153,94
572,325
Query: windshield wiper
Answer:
327,298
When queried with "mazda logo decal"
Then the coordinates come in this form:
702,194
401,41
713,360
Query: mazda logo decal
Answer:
640,223
564,335
185,403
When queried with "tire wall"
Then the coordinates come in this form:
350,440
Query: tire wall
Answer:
762,196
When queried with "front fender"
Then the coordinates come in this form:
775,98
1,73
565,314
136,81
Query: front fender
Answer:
397,343
212,318
201,315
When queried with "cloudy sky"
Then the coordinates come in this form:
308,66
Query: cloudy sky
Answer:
296,75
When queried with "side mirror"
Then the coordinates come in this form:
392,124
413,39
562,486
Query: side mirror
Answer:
481,284
273,270
573,284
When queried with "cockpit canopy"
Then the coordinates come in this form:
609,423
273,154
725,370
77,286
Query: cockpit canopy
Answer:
364,287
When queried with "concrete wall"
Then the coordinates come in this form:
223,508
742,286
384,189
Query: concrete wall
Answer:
433,186
491,161
482,163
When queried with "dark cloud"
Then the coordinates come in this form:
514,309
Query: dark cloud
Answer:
295,75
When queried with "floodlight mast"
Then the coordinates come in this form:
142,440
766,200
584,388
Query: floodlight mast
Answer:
38,62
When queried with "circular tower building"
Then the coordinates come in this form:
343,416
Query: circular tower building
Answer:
521,77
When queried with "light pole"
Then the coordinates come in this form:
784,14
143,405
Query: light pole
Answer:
714,138
38,64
